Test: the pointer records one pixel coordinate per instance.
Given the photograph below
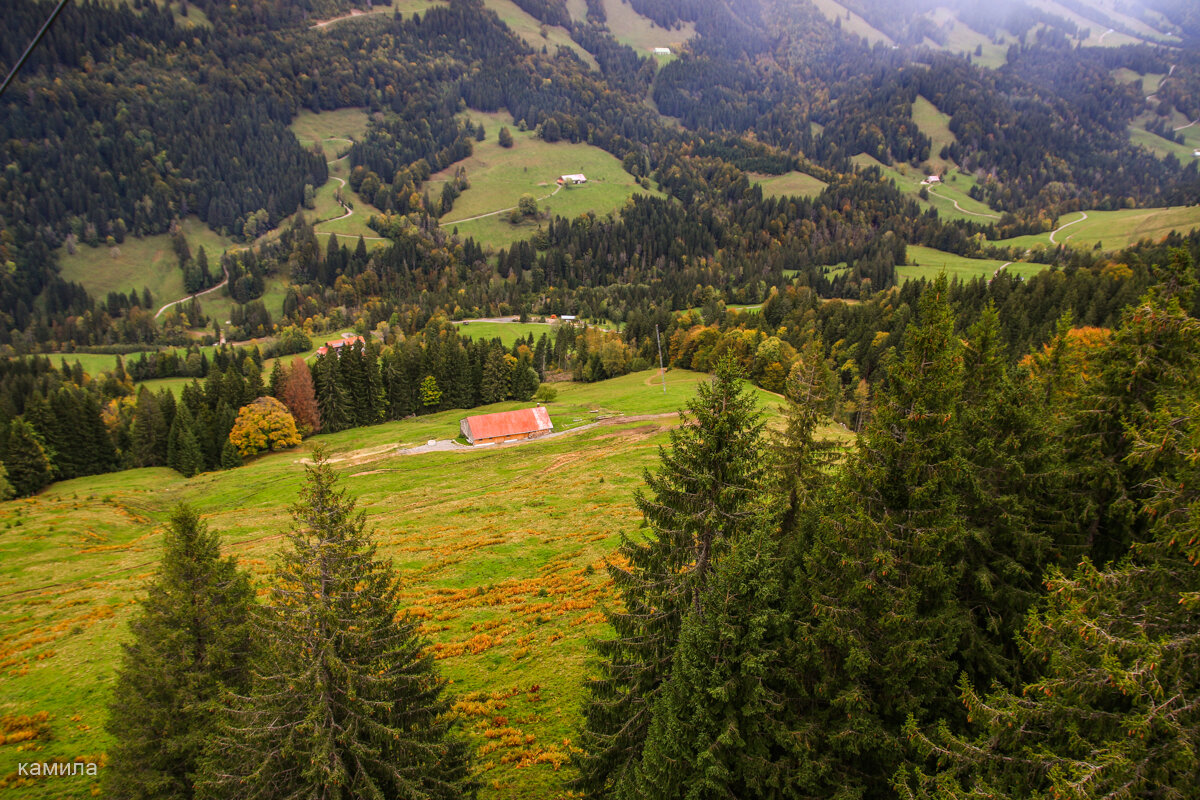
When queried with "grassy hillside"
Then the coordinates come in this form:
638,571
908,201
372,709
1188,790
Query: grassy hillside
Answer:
1114,230
942,197
499,176
928,263
507,332
501,551
642,33
534,32
149,261
791,183
936,126
851,22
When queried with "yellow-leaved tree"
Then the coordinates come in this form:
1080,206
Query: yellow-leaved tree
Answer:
265,424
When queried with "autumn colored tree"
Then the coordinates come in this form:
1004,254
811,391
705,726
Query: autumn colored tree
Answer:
265,424
431,395
300,397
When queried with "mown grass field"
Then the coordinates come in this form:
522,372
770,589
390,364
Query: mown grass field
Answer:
791,183
500,551
936,126
930,263
507,332
1115,230
146,262
499,176
642,33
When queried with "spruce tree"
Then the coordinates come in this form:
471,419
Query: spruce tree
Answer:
29,468
332,400
7,492
191,640
345,702
719,727
183,451
708,490
230,457
1115,710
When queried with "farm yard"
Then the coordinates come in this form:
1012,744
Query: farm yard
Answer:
504,570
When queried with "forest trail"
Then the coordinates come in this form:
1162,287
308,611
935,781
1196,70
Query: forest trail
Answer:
1059,229
355,13
1185,127
494,213
224,281
963,210
998,269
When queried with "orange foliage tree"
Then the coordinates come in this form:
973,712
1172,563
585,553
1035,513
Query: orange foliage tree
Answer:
264,424
298,395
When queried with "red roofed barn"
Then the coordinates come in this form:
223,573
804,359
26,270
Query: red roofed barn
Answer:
527,423
337,344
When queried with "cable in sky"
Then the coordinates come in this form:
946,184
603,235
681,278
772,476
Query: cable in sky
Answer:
33,44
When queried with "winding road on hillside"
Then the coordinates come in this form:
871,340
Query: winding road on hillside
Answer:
1059,229
197,294
345,206
963,210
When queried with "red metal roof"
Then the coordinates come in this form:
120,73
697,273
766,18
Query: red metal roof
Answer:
509,423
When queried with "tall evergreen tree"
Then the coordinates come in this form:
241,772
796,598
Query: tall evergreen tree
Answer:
332,400
29,469
708,490
346,703
1115,711
191,640
183,451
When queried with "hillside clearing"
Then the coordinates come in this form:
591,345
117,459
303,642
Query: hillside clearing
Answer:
136,263
791,183
504,568
936,126
499,176
642,33
1115,230
928,263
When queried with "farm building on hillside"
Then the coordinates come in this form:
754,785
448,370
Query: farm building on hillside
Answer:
932,179
337,344
571,180
662,51
507,426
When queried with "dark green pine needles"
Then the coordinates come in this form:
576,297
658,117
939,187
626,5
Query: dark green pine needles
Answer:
191,639
708,491
344,702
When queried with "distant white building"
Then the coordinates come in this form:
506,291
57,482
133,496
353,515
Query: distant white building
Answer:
1196,153
930,180
662,51
571,179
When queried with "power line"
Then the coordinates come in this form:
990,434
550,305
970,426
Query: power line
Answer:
33,44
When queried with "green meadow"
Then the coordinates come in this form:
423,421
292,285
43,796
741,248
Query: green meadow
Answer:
136,263
942,197
642,33
790,183
498,177
936,126
507,332
929,263
1114,230
500,550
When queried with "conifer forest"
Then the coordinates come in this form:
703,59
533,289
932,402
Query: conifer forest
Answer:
863,340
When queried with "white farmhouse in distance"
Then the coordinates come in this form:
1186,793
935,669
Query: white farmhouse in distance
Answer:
572,179
662,51
930,180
